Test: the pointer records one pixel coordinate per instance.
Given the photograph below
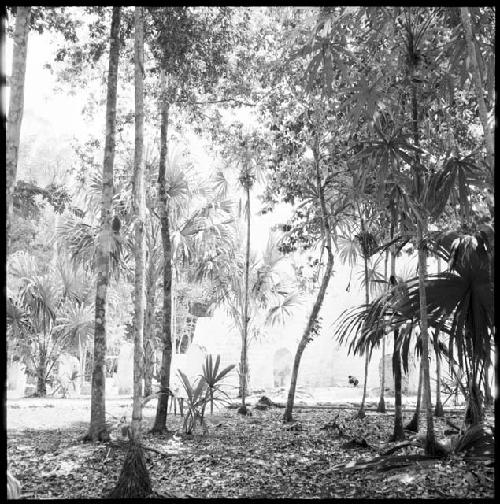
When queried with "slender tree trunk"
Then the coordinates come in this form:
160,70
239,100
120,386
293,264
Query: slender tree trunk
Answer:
398,433
41,384
438,409
488,397
244,342
16,106
312,323
430,445
134,481
415,421
140,218
98,430
83,367
474,413
476,76
361,412
166,361
148,327
381,403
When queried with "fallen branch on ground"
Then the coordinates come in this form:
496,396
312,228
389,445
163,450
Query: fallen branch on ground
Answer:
398,447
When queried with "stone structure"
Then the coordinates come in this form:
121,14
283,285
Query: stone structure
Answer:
324,362
125,369
16,378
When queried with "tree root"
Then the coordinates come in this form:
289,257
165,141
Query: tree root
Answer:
413,425
386,463
438,410
134,481
158,430
398,447
381,406
94,435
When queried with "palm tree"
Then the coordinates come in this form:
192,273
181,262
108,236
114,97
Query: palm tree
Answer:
198,220
271,299
246,179
460,303
134,481
381,402
364,244
78,323
43,311
368,246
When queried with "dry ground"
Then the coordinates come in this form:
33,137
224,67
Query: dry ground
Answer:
240,456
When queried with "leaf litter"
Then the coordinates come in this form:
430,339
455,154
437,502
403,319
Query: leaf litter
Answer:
253,457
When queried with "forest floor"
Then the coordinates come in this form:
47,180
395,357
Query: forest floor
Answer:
254,456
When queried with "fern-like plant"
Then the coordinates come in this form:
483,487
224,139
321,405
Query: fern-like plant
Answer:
196,403
213,377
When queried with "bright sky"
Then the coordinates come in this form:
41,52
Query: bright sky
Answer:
62,112
45,110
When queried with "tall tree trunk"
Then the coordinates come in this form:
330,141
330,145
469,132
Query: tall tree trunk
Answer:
244,336
134,481
312,323
16,106
148,336
166,360
361,412
97,429
140,218
398,433
381,403
438,409
415,421
476,76
430,444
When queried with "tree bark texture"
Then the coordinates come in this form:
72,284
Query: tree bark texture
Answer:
476,76
97,430
430,446
244,342
140,218
149,352
162,406
421,221
16,106
438,409
134,481
41,384
398,433
312,323
361,412
488,397
381,403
